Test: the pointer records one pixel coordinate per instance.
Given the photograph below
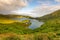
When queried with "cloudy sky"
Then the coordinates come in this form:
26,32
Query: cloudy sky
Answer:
34,8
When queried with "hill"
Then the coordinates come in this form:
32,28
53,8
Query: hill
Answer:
51,16
5,19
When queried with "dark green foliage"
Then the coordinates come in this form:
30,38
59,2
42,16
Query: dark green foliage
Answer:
20,28
50,26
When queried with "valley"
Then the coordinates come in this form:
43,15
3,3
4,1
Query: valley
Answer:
18,29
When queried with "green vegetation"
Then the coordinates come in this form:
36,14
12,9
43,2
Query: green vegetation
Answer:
50,26
52,23
50,30
19,28
54,15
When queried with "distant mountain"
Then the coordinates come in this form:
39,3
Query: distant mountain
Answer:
13,16
54,15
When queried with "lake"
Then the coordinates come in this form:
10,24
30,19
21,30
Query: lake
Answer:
34,23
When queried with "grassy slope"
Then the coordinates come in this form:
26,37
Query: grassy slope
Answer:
52,22
5,19
19,28
54,15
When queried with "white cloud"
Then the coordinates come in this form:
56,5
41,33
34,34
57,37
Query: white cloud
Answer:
44,9
9,5
41,10
57,0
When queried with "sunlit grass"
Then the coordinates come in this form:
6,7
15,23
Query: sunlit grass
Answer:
35,36
6,21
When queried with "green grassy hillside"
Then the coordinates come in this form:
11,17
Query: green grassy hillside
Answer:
51,16
52,22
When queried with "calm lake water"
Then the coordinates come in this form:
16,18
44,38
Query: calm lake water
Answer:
34,23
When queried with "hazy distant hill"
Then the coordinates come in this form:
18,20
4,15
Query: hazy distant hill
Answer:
51,16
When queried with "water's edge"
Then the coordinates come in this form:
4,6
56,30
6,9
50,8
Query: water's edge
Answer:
34,23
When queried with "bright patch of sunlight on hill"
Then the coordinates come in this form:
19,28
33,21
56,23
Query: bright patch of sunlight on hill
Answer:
6,21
